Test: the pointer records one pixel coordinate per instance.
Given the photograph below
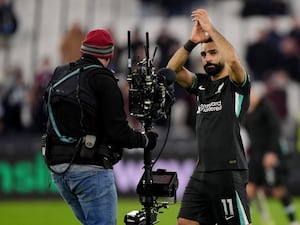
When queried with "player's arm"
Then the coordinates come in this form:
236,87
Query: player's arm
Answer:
236,70
183,76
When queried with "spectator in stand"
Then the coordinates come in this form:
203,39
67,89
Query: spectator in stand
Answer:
276,92
14,101
265,7
167,45
274,37
290,57
8,22
295,29
41,80
261,56
71,42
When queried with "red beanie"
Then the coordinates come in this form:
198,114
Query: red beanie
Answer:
98,43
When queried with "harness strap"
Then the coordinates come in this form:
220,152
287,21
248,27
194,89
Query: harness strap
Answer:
64,138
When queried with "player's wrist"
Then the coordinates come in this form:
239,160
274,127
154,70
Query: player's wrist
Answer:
190,45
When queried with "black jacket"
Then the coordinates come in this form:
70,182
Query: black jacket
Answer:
99,109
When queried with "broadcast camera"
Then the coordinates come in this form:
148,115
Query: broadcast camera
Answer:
151,95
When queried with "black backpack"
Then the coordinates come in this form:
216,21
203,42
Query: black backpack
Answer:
60,90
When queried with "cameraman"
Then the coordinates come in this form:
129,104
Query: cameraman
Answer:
216,192
86,131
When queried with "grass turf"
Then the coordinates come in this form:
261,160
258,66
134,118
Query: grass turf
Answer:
56,212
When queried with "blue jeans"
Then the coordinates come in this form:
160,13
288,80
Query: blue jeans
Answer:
91,193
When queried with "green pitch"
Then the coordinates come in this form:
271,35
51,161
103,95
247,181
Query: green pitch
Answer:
56,212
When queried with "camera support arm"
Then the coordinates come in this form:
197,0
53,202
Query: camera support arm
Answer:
147,200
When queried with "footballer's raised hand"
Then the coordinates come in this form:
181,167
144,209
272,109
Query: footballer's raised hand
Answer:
202,23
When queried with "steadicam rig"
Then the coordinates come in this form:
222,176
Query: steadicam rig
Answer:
151,95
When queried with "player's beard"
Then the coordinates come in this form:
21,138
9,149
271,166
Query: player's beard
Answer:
213,69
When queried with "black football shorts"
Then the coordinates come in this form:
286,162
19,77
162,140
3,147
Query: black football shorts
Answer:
270,177
216,198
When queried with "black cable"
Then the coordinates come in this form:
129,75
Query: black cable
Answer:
165,140
77,147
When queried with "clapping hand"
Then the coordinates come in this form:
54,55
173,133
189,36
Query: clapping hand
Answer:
200,32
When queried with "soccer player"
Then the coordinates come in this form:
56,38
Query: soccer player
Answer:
216,192
267,167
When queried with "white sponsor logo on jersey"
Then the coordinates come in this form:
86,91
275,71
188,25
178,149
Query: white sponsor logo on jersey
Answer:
210,107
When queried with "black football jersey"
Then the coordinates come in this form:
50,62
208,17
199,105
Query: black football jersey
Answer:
221,105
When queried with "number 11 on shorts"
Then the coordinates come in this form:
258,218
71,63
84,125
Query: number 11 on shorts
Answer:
228,208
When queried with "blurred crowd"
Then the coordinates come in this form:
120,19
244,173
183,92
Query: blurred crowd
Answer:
273,58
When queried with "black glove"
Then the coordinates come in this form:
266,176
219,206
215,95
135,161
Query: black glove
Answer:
151,139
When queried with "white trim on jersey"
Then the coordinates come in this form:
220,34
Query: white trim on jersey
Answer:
243,217
238,103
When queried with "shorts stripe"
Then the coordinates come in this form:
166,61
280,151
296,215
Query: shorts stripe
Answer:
242,214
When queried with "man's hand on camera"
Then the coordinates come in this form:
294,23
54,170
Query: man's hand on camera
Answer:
151,139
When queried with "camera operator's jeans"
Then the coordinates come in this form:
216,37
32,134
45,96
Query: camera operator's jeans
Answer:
91,193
